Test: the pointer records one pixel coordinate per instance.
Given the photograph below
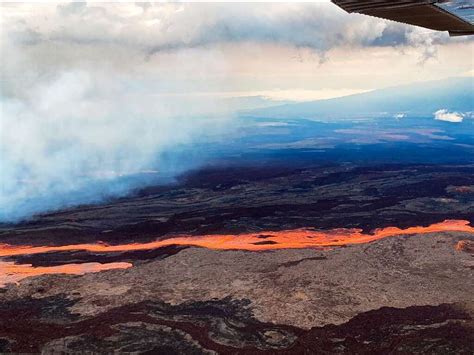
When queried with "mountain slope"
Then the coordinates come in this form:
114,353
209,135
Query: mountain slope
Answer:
419,100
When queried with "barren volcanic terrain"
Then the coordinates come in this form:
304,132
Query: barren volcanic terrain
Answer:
329,259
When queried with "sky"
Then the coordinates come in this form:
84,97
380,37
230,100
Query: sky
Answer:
295,51
96,90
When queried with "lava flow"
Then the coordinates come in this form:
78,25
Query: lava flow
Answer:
269,240
286,239
11,272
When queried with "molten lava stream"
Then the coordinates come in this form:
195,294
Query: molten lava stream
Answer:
265,240
11,272
287,239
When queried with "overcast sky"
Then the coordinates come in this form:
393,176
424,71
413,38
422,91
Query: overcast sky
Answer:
286,51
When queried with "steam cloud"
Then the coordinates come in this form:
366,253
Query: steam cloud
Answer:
76,137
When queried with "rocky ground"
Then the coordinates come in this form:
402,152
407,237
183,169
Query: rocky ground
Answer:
404,294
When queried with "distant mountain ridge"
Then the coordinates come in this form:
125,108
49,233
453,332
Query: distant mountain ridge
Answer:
415,100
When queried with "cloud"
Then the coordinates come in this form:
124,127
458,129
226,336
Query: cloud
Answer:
171,26
445,115
399,115
123,35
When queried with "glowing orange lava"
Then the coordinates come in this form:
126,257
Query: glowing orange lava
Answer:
12,273
286,239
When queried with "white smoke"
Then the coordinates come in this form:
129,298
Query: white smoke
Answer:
72,135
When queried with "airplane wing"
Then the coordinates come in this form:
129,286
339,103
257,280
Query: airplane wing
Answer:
456,16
